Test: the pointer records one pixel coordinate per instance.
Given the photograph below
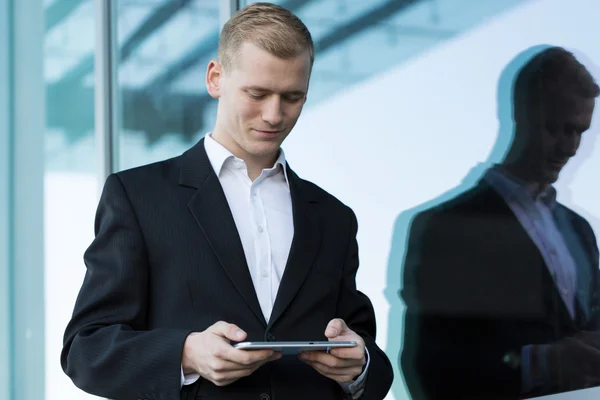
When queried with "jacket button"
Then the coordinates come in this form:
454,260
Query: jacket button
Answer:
270,338
264,396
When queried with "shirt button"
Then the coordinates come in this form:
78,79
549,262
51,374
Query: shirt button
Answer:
260,229
265,274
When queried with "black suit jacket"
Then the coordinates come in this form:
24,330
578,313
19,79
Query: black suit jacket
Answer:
477,290
167,260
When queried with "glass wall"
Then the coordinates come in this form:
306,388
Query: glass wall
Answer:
164,47
409,107
5,199
71,172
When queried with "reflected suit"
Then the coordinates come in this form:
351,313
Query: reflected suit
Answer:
477,290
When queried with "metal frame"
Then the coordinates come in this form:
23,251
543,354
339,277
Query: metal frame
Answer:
107,99
226,10
5,204
106,90
27,118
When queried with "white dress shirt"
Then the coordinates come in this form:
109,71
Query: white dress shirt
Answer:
262,212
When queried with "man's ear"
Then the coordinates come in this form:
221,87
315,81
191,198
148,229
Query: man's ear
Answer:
214,73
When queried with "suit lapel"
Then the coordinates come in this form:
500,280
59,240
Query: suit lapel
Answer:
211,211
499,205
305,245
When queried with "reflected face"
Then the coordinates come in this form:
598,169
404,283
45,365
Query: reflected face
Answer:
260,99
557,134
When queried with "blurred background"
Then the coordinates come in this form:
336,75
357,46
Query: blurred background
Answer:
403,107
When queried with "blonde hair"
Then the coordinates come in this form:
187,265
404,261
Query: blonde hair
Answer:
271,27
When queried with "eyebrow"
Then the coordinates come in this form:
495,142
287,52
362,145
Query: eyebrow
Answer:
260,89
577,126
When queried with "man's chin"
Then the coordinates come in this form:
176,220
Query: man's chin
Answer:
551,177
265,149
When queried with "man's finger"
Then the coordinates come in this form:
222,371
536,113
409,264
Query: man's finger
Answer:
229,331
337,374
222,366
590,338
226,378
354,353
227,369
350,372
330,360
250,357
336,327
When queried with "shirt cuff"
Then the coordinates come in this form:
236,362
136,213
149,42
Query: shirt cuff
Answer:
188,379
545,381
526,374
529,380
357,387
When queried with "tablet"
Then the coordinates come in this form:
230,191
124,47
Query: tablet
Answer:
292,348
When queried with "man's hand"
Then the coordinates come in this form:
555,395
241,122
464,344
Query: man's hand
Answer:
573,364
211,355
344,364
591,338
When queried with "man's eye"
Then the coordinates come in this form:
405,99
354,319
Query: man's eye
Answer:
292,99
256,96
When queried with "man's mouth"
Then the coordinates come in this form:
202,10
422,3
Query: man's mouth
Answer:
267,133
557,164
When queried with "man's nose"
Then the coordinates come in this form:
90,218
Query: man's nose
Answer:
272,112
569,143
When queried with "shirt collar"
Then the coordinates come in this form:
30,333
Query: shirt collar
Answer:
219,156
511,185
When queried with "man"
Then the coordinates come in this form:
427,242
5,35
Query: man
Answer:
223,244
501,283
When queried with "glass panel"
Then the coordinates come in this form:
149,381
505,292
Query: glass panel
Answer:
409,106
164,48
71,186
5,206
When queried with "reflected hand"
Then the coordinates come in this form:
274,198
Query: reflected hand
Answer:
573,364
590,338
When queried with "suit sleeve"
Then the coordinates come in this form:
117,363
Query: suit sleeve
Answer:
588,236
108,349
357,311
447,352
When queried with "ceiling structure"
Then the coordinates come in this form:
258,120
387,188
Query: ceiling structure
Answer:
165,45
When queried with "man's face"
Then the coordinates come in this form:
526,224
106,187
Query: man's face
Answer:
556,133
260,99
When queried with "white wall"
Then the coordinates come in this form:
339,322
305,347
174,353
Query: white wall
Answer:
70,201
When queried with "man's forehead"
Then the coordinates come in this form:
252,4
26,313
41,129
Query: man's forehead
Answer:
254,53
272,74
569,102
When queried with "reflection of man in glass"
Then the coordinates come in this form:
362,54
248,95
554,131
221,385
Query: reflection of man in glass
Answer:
502,283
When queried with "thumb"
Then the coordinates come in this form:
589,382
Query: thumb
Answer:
228,331
336,327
